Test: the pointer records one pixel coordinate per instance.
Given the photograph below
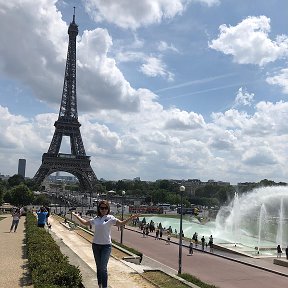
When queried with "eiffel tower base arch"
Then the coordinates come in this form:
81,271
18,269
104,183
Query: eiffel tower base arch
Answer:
79,166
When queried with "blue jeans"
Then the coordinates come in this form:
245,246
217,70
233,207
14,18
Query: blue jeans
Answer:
14,225
101,255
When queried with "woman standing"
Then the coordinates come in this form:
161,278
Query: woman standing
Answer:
102,244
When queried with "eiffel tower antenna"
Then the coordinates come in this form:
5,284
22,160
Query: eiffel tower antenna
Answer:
76,163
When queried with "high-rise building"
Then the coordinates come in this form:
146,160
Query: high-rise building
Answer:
21,167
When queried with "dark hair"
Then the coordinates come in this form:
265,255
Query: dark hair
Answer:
42,209
105,202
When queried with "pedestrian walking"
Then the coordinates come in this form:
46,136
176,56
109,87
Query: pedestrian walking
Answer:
161,233
15,219
211,245
286,250
279,251
147,230
203,242
190,248
143,231
195,238
101,245
157,234
168,238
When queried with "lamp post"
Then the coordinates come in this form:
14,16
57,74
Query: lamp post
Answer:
121,238
182,190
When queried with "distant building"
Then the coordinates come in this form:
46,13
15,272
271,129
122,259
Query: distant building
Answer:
22,167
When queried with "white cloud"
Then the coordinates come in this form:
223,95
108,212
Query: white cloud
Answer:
175,141
261,156
155,67
281,79
130,56
101,83
248,42
209,3
182,120
127,132
130,14
243,98
163,46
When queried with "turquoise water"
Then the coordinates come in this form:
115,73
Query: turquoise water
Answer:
220,237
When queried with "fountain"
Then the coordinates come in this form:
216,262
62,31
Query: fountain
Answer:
254,222
279,237
236,217
261,225
259,216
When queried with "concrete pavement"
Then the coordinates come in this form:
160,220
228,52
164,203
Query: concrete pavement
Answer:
13,265
221,271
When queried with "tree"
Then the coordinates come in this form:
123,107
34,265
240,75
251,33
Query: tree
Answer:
2,191
21,195
15,180
31,184
266,182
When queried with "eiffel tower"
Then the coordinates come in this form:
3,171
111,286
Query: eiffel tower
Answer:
76,163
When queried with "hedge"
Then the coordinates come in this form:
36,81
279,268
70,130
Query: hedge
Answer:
48,266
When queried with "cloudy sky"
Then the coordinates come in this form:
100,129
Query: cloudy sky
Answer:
178,89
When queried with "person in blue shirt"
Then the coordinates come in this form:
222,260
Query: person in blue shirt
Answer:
42,217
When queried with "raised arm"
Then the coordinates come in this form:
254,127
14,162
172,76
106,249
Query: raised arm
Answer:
124,222
83,221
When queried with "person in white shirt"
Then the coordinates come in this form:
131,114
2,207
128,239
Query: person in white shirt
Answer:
102,244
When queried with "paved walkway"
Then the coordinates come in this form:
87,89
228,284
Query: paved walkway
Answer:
239,272
13,260
13,265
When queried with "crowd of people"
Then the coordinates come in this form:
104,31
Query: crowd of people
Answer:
160,231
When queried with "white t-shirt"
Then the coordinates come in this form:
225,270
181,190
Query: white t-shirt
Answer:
102,228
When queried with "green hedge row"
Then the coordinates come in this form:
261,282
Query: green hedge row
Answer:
48,266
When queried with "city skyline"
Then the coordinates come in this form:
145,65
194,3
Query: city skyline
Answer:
184,89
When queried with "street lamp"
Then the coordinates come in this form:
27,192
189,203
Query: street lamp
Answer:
121,238
182,190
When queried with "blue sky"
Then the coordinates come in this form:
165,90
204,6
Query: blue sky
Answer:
166,89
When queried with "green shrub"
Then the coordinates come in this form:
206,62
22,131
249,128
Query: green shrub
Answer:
49,267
